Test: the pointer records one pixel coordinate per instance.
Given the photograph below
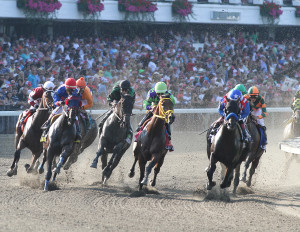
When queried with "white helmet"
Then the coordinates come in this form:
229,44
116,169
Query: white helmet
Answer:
48,85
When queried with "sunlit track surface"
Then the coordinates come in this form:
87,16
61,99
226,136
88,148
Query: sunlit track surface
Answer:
177,203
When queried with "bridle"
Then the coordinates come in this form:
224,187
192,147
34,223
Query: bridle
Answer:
45,102
161,112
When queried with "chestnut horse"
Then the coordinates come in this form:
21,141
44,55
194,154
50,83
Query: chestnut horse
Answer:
30,135
150,145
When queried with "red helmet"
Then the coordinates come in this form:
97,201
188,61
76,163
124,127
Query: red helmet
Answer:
70,83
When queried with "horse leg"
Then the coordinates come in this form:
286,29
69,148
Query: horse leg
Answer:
41,167
33,166
148,171
64,155
114,161
50,156
157,169
131,172
228,177
14,167
73,157
104,160
142,164
252,170
210,172
99,153
236,178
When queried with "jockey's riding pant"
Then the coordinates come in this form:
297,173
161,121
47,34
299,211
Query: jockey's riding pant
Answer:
256,113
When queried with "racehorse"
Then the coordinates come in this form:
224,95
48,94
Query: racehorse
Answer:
150,145
113,137
226,146
60,141
253,154
292,127
29,136
291,130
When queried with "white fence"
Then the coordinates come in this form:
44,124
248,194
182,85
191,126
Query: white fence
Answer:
186,119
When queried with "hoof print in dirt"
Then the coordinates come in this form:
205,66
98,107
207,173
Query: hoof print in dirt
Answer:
244,191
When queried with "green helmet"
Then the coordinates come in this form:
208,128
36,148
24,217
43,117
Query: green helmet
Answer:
161,87
241,88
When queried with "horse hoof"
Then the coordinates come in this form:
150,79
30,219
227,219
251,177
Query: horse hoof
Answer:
243,179
131,174
10,173
144,181
41,170
56,170
208,187
94,165
26,166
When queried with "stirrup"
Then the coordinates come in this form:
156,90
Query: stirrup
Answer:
170,148
43,139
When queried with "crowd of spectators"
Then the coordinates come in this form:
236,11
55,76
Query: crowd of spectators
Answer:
198,67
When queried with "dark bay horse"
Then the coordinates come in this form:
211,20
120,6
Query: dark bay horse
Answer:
226,147
113,137
150,145
60,141
253,154
31,134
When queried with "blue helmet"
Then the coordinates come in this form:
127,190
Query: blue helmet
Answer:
235,95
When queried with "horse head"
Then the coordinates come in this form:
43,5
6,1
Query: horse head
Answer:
165,109
124,109
47,100
71,115
232,111
296,116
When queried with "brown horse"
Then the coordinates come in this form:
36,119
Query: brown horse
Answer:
253,154
150,145
31,134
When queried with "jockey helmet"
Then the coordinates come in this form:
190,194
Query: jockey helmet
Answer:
81,83
48,85
125,85
70,83
253,91
241,88
235,95
160,87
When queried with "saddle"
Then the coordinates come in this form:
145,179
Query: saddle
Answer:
23,123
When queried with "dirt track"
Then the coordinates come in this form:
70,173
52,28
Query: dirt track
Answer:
82,204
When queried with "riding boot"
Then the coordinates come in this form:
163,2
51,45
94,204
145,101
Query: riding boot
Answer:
45,127
169,145
103,121
216,126
265,134
78,132
89,121
147,116
246,136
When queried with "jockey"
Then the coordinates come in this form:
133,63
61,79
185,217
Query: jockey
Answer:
152,100
65,94
296,101
241,88
234,95
258,108
120,88
35,97
87,99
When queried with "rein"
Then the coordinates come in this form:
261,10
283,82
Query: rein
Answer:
163,114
